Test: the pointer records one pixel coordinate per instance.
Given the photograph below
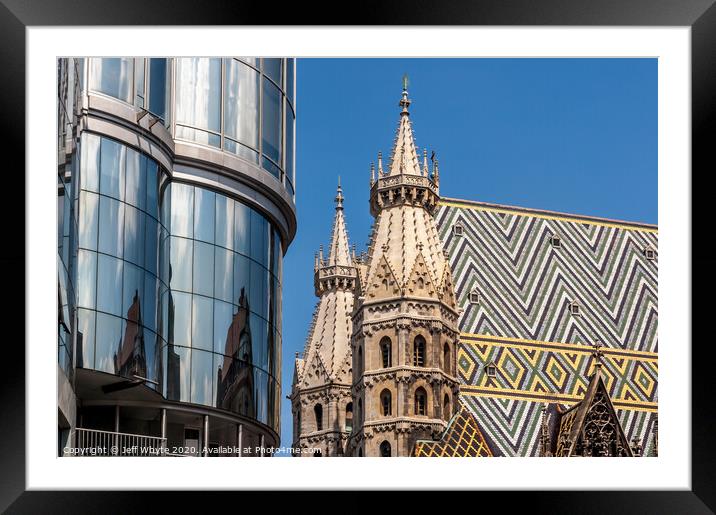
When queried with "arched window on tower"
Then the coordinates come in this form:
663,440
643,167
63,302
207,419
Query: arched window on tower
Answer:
349,417
359,415
385,352
386,403
447,363
385,451
359,361
419,351
421,401
446,407
318,410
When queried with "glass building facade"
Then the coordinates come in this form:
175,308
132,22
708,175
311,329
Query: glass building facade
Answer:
175,207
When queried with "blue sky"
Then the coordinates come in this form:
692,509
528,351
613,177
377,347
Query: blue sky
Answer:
572,135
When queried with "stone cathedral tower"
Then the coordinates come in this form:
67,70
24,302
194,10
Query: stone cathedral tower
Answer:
405,331
321,393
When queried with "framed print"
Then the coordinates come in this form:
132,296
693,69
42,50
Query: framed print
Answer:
517,181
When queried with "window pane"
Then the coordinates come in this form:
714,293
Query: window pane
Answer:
177,376
241,111
181,263
198,92
259,332
134,180
133,235
112,77
109,338
180,319
182,208
242,274
202,323
85,338
290,122
158,87
242,228
89,207
112,166
86,278
150,170
224,272
259,287
109,285
290,63
132,292
272,68
90,162
111,226
139,82
223,314
224,221
272,121
149,302
204,210
260,238
203,268
151,244
201,377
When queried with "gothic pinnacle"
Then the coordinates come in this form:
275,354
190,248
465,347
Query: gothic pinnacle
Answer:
339,195
404,100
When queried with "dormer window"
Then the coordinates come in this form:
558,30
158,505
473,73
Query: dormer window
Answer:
574,308
474,297
457,229
555,241
491,369
649,253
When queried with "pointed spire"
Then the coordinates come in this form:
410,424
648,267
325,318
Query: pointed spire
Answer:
425,162
338,250
436,172
380,164
404,100
404,159
372,174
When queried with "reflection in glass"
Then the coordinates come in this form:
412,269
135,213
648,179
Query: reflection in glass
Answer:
180,319
223,315
109,335
224,274
85,338
133,286
201,377
182,210
260,238
182,251
241,108
204,210
90,162
130,358
290,123
134,181
202,323
86,278
151,245
112,167
133,235
198,93
150,169
272,121
89,207
272,69
109,285
149,307
259,290
177,373
112,76
158,87
242,228
224,222
203,268
242,278
111,226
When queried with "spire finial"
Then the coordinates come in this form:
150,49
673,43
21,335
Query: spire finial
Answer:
339,195
372,174
598,355
404,100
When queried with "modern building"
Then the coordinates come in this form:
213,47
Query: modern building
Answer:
176,189
490,330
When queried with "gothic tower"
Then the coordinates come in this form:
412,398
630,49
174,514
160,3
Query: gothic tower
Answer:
405,331
321,393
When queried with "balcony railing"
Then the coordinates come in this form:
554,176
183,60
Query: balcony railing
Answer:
93,442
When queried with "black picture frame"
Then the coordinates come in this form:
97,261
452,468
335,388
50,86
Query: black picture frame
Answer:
699,15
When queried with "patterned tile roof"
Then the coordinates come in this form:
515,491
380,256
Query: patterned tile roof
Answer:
461,439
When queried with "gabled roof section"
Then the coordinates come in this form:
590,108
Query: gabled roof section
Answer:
461,439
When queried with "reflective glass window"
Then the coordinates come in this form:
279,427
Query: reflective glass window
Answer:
158,87
89,209
202,323
198,93
151,245
133,235
150,169
272,121
180,319
111,226
242,275
223,274
203,268
109,285
201,377
242,228
85,338
112,166
260,238
259,288
178,371
181,263
109,338
182,209
223,314
149,302
86,278
224,222
132,292
204,211
112,76
134,180
290,123
290,63
241,103
139,100
90,162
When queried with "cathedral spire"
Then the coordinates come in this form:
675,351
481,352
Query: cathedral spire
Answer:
404,158
339,250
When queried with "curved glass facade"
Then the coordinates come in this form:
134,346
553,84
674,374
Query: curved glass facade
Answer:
223,304
243,106
117,264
